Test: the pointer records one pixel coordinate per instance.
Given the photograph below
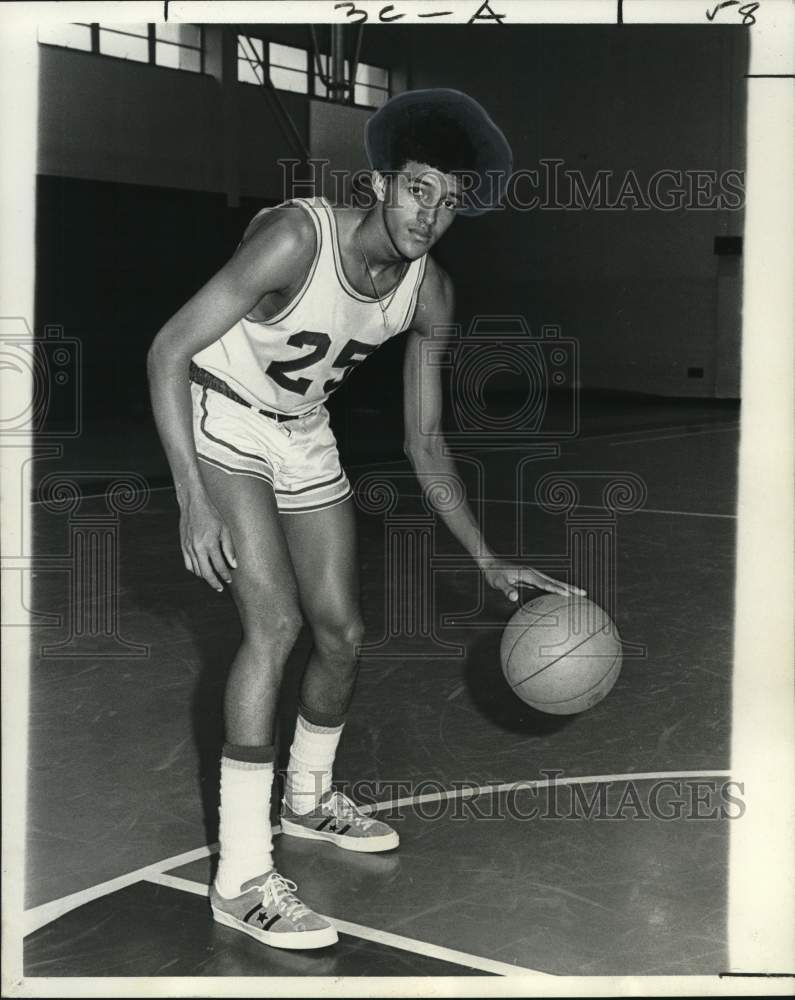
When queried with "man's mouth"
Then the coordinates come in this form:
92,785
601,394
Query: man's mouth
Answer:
420,234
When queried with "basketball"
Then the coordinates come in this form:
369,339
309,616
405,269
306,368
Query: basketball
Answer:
561,655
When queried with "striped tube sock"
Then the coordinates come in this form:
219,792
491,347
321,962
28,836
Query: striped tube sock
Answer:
245,822
311,761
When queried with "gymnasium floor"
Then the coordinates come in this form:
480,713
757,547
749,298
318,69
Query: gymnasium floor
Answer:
123,752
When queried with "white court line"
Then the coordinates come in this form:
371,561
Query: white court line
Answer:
672,437
507,786
650,432
474,499
178,882
39,916
640,510
377,464
97,496
381,937
585,506
675,513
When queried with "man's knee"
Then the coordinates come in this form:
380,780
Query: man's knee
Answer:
273,620
339,634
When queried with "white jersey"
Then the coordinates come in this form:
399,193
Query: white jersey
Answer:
295,360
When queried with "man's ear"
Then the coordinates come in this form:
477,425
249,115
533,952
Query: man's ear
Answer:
379,183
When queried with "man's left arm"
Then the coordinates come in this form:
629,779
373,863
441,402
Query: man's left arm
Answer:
424,441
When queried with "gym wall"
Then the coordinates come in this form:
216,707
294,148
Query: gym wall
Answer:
138,165
644,291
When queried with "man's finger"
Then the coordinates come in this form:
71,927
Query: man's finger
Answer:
227,546
535,578
508,587
564,588
194,561
208,572
530,578
218,562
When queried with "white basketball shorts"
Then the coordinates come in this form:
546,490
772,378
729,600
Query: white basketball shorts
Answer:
297,458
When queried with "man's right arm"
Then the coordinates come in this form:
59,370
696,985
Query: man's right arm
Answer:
274,258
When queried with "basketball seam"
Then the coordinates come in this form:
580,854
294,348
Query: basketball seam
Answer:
541,617
562,655
562,701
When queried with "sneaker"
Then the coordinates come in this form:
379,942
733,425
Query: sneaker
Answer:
338,820
268,911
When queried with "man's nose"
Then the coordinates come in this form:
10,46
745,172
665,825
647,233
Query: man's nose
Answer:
427,215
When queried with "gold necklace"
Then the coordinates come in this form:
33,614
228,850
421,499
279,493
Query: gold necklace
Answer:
384,315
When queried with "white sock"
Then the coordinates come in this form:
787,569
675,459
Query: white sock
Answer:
311,762
245,823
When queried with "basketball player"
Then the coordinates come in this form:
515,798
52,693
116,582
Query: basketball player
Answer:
238,380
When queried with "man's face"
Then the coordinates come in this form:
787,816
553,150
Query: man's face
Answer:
419,207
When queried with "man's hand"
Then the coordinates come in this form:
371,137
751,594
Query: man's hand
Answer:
207,548
509,578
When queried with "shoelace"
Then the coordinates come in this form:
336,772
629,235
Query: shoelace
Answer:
281,891
342,805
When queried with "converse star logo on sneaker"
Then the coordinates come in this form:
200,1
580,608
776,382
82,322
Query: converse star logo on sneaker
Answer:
337,819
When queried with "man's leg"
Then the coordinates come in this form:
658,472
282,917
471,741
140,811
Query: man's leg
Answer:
265,592
324,555
248,894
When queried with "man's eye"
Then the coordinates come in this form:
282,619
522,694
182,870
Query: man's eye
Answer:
427,198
